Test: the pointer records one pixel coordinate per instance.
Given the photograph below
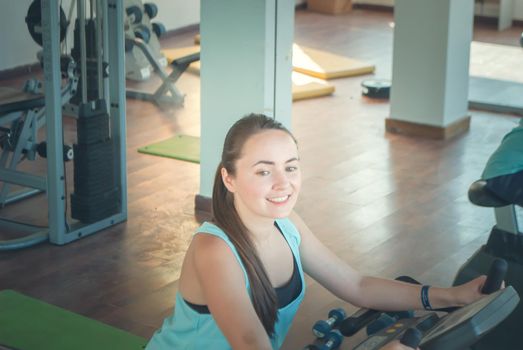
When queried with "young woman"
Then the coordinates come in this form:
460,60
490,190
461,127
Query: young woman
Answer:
242,279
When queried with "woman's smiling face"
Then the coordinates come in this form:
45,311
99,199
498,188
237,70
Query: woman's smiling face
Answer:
267,178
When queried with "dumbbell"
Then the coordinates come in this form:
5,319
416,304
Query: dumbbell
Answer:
332,341
134,14
158,29
150,9
386,319
323,327
142,31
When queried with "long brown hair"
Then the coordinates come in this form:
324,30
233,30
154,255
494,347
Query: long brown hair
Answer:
226,217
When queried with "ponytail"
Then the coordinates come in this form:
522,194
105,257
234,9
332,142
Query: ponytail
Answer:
226,217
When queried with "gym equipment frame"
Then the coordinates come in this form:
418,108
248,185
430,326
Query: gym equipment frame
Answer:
167,93
59,230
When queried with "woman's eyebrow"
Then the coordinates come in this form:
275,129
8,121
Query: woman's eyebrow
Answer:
268,162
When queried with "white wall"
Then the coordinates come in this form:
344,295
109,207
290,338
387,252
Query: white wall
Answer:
488,8
176,14
374,2
17,48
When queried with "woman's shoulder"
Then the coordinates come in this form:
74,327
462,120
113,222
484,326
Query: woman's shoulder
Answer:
210,249
211,239
210,228
290,227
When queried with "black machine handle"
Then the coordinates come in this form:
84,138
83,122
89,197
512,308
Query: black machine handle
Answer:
411,338
352,324
496,275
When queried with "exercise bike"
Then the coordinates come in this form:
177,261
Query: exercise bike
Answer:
506,242
458,329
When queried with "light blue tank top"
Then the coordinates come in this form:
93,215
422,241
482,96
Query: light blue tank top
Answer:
508,157
187,329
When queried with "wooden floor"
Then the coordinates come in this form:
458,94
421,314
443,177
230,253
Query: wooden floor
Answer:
387,204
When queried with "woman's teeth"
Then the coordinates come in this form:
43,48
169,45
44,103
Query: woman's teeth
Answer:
279,199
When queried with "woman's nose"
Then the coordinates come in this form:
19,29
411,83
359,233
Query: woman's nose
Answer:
281,181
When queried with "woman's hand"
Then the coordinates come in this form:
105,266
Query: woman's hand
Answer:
469,292
395,345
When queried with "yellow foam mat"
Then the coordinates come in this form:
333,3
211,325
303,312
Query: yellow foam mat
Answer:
326,65
303,86
322,64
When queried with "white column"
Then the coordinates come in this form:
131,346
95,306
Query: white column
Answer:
246,66
506,9
430,71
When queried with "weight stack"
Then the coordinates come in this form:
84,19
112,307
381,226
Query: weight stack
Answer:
91,61
95,195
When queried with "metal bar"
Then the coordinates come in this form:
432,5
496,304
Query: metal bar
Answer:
99,48
83,53
506,219
20,178
492,107
21,142
79,230
150,57
9,118
19,195
105,41
167,81
117,97
52,79
20,226
25,242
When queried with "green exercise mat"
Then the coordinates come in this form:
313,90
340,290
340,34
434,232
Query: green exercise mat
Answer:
181,147
30,324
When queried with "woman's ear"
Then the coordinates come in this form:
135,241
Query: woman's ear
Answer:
227,179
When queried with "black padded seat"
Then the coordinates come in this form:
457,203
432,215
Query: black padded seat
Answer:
12,100
186,59
481,196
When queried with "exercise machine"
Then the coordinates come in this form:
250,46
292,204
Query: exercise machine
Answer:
62,226
506,242
22,114
138,24
167,94
458,329
143,56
